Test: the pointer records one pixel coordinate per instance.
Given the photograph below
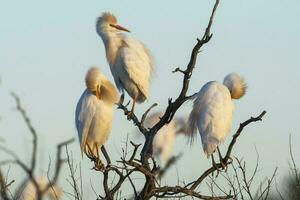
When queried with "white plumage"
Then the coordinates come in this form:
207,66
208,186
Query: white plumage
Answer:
213,111
94,112
165,138
30,193
129,60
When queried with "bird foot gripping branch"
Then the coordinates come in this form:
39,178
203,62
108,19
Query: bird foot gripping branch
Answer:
99,165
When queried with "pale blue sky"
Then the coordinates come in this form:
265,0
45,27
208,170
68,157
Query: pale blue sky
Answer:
47,46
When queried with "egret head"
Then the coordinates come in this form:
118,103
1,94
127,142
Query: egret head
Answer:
98,84
107,23
93,80
236,85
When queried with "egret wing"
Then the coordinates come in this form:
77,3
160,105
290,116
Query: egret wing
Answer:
200,105
214,115
137,64
85,112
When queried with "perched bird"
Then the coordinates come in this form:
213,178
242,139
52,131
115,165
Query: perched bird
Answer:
94,112
213,111
165,138
129,60
30,192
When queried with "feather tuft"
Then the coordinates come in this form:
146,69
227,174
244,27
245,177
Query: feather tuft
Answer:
108,18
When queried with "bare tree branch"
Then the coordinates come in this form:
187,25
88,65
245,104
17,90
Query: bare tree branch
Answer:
30,170
173,106
73,182
294,168
227,158
3,187
31,129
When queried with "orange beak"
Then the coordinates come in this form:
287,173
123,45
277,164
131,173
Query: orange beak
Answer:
119,27
98,93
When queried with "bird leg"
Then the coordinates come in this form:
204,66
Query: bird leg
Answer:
99,166
104,152
122,98
89,152
97,150
131,112
133,105
221,160
214,165
98,163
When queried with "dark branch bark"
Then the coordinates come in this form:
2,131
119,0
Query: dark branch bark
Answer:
132,116
168,192
173,106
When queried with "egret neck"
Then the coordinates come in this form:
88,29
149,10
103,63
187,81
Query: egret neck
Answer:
112,42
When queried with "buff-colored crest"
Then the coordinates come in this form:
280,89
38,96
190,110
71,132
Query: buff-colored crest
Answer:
108,18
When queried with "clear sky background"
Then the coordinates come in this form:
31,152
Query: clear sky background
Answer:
46,48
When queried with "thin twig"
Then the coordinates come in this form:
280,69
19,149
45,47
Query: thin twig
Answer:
31,129
227,158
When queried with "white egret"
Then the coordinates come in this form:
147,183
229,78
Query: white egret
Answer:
129,60
94,112
213,111
165,138
30,192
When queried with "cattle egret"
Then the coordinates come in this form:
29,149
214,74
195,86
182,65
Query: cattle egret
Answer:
213,110
165,138
94,112
129,60
30,192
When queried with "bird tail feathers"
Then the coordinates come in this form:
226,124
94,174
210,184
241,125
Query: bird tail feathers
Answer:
191,126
